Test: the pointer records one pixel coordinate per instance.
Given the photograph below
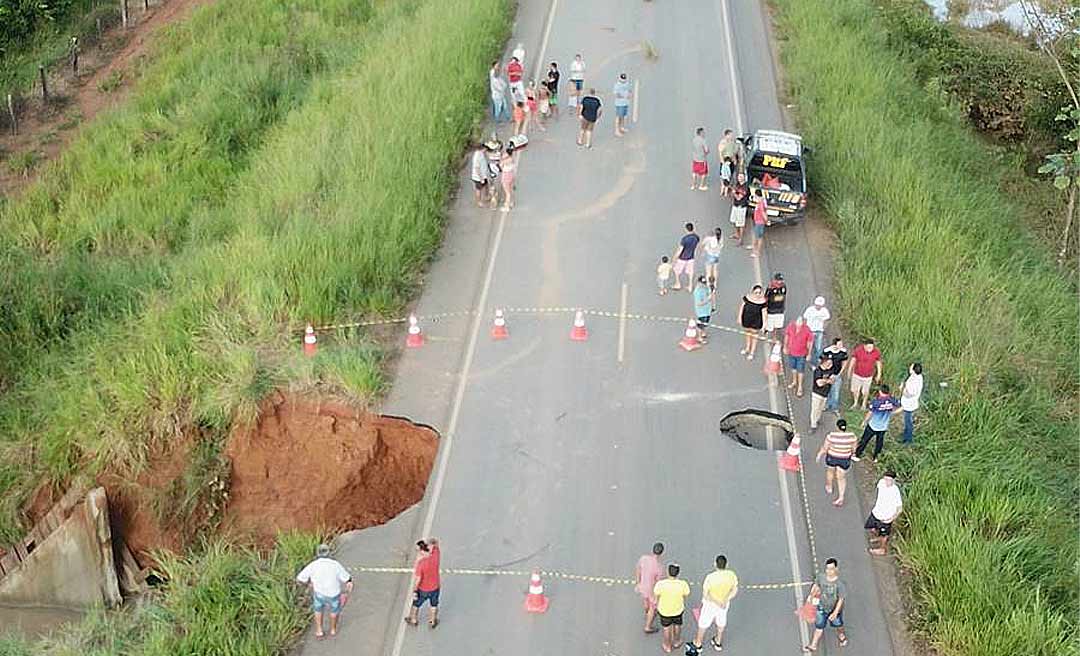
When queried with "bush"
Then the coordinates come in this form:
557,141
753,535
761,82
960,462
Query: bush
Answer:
1005,89
936,265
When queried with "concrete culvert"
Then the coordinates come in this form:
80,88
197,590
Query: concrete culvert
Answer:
750,428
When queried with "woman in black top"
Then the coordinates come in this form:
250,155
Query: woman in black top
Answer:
752,318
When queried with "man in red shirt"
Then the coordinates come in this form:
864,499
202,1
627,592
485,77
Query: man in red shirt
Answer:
797,341
514,73
865,367
426,582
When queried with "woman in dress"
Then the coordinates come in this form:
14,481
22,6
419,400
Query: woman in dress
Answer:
752,319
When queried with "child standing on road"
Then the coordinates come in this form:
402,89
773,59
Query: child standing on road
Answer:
663,274
703,305
544,107
727,169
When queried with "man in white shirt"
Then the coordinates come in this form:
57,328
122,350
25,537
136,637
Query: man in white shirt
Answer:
326,577
478,170
909,400
816,315
886,509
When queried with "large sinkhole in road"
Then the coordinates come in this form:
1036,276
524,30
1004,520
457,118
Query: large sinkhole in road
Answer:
305,463
325,466
750,428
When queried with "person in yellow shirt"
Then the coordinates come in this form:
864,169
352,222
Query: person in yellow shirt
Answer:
671,594
717,591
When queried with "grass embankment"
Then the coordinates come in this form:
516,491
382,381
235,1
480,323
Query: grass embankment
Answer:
333,210
224,601
934,263
104,226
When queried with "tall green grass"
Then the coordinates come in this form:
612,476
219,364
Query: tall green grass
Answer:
337,213
935,264
96,235
221,600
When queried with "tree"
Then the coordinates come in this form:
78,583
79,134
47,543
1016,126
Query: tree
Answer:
1060,43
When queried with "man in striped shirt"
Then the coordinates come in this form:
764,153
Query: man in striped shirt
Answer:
837,449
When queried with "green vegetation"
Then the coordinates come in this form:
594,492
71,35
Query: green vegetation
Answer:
34,32
162,259
222,600
278,163
937,266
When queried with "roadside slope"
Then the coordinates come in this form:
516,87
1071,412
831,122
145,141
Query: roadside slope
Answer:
935,264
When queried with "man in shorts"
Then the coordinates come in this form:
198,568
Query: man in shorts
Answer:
797,341
719,588
425,582
479,174
775,298
699,162
728,148
515,73
865,367
326,577
740,200
671,594
837,449
622,93
828,595
887,508
685,253
552,83
646,574
589,110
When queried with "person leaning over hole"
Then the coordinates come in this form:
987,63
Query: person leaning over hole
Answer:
326,577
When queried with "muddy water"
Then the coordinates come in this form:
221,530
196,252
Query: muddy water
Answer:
34,622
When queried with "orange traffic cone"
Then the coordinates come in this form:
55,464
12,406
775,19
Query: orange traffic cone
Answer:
579,333
415,338
498,330
310,341
535,601
772,363
690,340
789,459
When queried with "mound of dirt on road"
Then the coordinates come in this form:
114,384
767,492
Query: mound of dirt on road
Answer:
324,466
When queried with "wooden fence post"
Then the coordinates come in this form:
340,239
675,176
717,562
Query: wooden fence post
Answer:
44,84
146,5
75,56
124,13
11,111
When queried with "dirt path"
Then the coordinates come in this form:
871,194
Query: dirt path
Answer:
104,81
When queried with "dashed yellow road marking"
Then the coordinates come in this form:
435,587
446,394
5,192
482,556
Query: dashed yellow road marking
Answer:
563,576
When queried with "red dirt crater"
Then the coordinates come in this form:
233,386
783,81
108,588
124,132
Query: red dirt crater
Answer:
324,466
306,464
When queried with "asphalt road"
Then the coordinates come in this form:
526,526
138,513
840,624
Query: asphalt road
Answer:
575,457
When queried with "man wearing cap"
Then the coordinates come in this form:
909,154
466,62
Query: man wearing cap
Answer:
775,298
887,508
326,576
816,316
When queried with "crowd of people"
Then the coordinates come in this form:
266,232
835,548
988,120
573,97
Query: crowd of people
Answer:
761,315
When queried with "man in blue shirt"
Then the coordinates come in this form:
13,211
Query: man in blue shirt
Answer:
876,422
622,93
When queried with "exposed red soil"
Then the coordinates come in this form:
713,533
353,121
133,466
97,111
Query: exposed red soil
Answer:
46,128
308,464
324,466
